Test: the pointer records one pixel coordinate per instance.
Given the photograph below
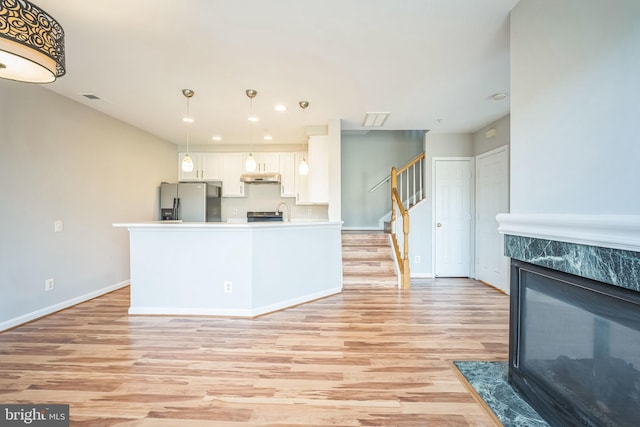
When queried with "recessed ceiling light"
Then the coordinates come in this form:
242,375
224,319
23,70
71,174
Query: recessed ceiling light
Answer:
498,96
268,137
253,119
216,138
280,107
187,119
375,119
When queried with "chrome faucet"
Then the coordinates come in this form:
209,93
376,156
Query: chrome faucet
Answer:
288,210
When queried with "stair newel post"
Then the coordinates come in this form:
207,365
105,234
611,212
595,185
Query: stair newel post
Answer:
406,274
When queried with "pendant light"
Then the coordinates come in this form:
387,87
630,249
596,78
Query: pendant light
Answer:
31,43
250,164
187,162
303,168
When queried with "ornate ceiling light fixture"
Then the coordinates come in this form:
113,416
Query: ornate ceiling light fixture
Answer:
31,43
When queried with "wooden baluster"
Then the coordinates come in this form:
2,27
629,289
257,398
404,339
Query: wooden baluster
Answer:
394,185
405,199
421,180
415,189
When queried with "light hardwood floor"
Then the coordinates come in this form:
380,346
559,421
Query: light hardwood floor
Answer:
366,357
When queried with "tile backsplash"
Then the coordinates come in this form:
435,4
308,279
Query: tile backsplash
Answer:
266,197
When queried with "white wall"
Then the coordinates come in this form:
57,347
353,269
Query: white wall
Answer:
575,105
334,134
60,160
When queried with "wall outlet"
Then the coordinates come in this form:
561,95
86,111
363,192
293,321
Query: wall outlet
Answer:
417,259
309,212
235,211
49,284
58,226
228,287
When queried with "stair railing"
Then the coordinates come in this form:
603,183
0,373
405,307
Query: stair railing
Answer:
406,191
411,181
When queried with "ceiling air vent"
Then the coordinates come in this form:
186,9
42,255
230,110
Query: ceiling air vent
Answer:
375,120
90,96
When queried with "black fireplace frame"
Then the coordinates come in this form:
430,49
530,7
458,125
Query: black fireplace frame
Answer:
550,407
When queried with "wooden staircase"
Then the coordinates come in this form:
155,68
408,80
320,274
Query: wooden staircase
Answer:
367,261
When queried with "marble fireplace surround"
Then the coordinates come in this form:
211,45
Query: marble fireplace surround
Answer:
605,248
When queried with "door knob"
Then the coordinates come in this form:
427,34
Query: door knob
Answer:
438,225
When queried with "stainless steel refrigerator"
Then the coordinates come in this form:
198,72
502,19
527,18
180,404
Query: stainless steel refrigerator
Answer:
190,201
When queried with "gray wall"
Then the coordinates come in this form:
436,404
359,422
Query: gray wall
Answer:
436,145
575,104
60,160
445,145
367,159
482,144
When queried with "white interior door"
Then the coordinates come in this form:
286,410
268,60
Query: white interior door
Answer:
492,198
452,217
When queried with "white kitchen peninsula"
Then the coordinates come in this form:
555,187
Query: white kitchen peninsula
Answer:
231,269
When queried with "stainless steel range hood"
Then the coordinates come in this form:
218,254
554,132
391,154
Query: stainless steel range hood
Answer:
260,178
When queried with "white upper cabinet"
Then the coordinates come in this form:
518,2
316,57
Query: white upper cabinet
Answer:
212,166
267,162
318,169
302,181
288,175
228,167
233,167
206,167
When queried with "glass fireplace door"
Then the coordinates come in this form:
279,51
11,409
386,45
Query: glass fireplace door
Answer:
578,346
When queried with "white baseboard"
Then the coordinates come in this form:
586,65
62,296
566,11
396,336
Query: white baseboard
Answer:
17,321
422,276
232,312
295,301
185,311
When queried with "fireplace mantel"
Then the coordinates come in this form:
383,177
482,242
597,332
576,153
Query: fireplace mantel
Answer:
606,231
605,248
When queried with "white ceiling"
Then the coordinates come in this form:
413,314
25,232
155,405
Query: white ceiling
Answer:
433,64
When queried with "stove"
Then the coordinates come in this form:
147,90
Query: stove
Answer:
264,216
